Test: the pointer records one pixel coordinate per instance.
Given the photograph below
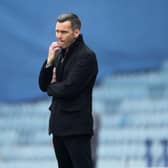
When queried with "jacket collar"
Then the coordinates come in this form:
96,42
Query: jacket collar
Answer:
77,42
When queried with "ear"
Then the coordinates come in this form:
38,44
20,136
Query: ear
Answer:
76,33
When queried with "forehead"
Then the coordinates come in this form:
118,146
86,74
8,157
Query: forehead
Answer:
63,25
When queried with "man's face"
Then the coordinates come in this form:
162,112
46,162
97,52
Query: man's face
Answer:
65,34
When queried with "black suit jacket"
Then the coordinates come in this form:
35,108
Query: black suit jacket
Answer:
71,107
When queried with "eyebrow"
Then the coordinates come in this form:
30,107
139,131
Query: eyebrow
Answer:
62,31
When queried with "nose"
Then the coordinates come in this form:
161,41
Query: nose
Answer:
59,35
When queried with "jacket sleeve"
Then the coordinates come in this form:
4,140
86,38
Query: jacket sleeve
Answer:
45,77
81,75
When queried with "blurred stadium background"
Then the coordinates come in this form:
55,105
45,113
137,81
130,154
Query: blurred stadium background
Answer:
130,105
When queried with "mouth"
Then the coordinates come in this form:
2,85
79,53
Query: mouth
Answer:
60,41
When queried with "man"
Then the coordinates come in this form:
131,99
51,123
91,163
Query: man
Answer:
68,75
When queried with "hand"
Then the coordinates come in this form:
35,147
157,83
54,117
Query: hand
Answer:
53,49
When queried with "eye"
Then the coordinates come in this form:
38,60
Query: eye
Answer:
63,32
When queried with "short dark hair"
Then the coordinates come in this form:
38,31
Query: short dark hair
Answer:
73,18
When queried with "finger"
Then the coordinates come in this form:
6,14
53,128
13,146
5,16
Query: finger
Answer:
55,44
56,49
